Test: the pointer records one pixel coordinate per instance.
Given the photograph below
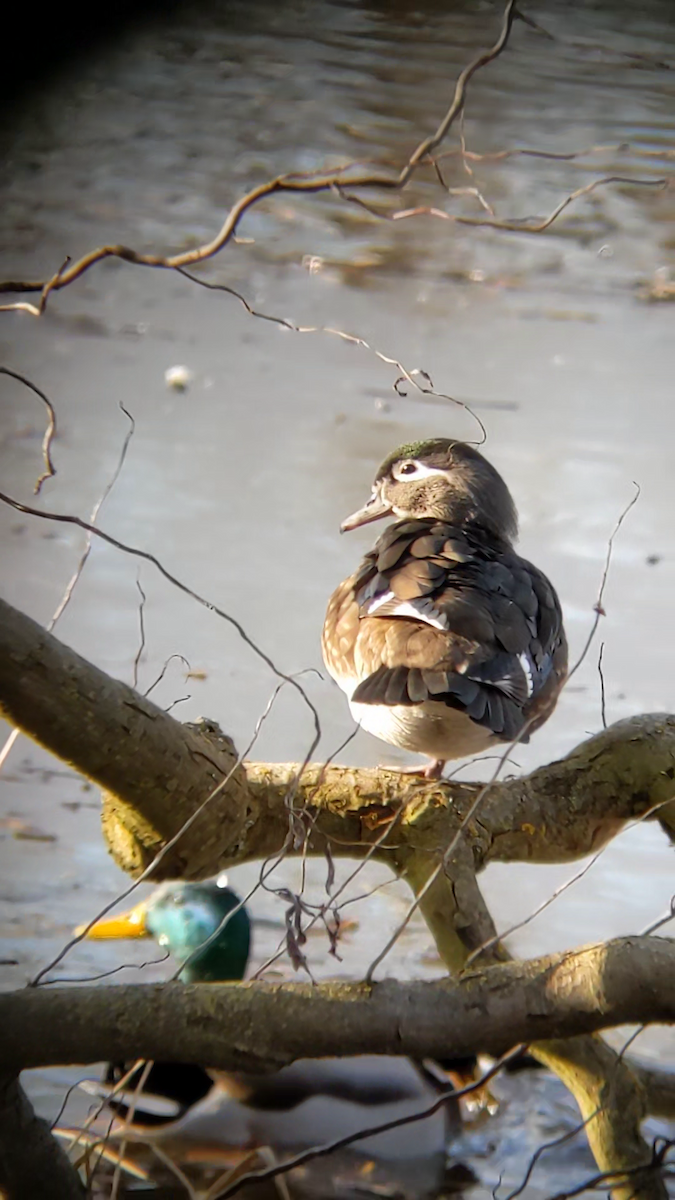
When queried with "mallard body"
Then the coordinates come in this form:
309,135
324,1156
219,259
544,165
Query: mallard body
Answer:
199,1116
311,1102
445,640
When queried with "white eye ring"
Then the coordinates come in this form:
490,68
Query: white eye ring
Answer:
403,470
421,471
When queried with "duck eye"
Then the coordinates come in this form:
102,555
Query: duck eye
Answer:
407,468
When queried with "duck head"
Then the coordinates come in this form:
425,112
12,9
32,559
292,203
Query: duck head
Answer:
443,479
182,917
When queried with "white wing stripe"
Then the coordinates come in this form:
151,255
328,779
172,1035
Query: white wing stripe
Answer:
417,610
378,601
524,661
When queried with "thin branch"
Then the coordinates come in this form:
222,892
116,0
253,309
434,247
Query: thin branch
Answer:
141,624
512,225
75,577
315,1152
372,850
164,669
50,432
571,1133
162,853
553,156
113,1091
639,1173
217,932
583,47
598,608
648,815
127,1122
561,1140
603,707
310,183
447,855
559,891
149,962
174,1169
664,920
68,519
411,376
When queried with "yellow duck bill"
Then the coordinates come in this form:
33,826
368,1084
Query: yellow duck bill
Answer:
131,924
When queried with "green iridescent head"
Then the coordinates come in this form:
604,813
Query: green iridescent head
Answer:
185,916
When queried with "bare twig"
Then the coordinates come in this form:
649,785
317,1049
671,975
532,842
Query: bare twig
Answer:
553,156
571,1133
447,855
141,625
310,183
512,225
374,847
79,1135
603,709
74,579
583,47
639,1173
597,607
163,852
664,920
561,1140
411,376
149,962
68,519
175,1170
127,1122
321,1151
50,431
164,669
559,891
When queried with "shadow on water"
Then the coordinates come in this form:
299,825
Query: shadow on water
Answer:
146,137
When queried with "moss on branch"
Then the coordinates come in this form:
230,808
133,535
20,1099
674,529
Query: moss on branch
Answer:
156,773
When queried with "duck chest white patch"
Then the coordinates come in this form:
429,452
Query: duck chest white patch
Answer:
419,609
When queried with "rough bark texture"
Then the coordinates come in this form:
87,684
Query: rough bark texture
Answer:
157,774
261,1026
32,1163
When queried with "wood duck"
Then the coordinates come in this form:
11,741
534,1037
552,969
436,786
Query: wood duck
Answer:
197,1114
445,640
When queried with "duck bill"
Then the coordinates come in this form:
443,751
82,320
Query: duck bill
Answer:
130,924
372,511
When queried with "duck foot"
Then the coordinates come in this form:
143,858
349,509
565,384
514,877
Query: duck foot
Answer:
433,769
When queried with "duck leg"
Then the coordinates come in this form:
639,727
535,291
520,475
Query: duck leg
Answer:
433,769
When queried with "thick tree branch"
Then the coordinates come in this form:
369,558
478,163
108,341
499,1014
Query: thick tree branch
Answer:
155,779
559,812
613,1102
156,772
29,1155
258,1026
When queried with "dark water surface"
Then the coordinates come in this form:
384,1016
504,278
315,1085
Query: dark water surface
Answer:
239,483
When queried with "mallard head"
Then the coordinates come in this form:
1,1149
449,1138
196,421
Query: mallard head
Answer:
182,916
443,479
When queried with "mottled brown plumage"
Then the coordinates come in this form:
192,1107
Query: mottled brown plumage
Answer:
445,640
